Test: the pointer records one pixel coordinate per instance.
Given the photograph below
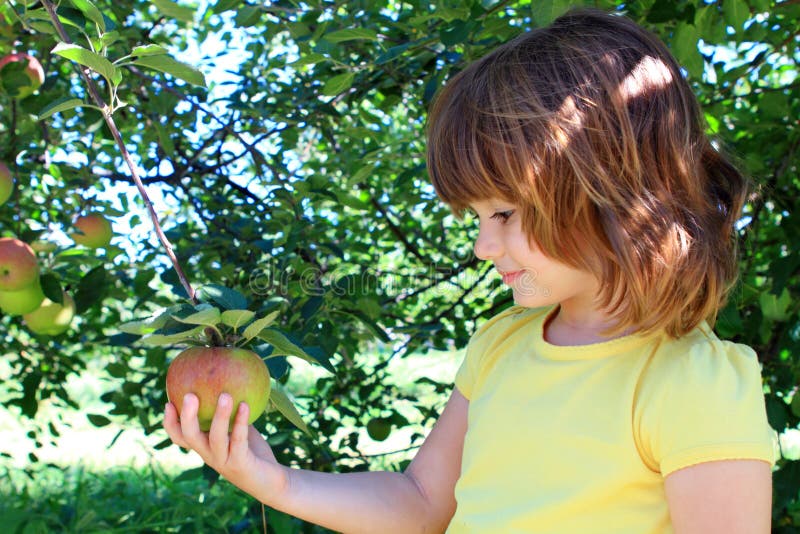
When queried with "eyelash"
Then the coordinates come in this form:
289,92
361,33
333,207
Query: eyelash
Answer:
503,216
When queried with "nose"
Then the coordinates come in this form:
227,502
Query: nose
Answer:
487,245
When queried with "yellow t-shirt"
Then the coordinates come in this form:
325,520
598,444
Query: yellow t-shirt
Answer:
579,439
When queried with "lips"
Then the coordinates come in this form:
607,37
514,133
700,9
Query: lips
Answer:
510,276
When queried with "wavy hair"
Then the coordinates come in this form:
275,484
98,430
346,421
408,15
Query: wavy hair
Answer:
588,125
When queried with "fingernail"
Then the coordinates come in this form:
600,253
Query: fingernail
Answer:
224,399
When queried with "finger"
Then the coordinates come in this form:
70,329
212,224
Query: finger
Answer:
218,433
190,426
239,440
173,426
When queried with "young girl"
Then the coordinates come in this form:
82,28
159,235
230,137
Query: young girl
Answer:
602,401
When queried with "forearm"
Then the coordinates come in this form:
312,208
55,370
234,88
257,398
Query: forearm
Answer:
366,502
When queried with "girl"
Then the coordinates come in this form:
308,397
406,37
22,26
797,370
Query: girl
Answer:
602,401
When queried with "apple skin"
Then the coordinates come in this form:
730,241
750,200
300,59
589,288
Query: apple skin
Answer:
210,371
33,70
18,266
95,231
6,183
51,318
22,301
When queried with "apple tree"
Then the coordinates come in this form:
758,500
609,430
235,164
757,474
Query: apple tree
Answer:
284,145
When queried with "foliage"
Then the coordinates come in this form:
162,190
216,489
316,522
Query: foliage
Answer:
144,500
297,178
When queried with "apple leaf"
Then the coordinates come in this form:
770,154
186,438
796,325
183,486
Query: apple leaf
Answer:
280,400
91,289
62,104
283,347
207,317
98,420
175,11
254,329
338,84
90,59
51,288
173,67
172,339
351,34
91,12
236,318
226,298
148,50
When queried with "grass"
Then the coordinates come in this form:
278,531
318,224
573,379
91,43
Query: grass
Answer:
126,500
89,480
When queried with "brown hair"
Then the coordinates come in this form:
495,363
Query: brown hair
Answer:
588,125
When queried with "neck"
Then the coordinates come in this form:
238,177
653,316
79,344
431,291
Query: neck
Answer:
580,325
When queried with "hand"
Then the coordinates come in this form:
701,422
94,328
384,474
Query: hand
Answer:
244,458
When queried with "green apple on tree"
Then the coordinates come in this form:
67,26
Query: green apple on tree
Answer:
94,231
20,74
210,371
51,318
6,183
22,301
18,266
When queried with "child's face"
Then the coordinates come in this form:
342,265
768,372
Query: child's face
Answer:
535,279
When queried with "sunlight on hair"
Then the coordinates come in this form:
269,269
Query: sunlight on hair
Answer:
569,120
650,73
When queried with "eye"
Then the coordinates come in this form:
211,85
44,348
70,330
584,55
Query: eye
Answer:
503,216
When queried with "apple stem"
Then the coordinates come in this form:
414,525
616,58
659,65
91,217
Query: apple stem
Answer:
95,94
214,336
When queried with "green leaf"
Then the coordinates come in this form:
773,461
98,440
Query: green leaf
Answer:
282,346
309,59
90,59
684,45
98,420
175,11
206,317
228,299
254,329
280,400
91,12
173,67
148,50
159,340
138,328
545,11
236,318
62,104
775,307
735,13
353,34
51,288
91,289
338,84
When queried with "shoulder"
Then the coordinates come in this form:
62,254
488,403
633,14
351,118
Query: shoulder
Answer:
701,356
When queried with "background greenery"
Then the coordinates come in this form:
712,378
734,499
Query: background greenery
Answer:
296,176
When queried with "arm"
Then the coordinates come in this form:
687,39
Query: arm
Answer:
419,500
730,497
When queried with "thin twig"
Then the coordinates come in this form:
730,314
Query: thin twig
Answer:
95,94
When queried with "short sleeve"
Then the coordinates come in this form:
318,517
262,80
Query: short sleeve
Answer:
703,405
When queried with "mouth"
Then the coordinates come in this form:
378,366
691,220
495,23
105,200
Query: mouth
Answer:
510,276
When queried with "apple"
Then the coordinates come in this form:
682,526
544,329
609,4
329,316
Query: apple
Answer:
94,231
209,371
21,74
6,183
23,300
18,266
51,318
